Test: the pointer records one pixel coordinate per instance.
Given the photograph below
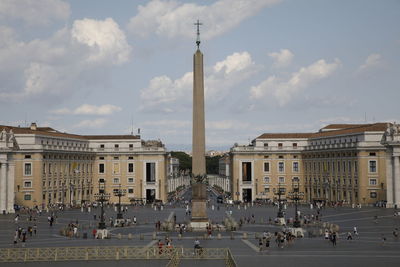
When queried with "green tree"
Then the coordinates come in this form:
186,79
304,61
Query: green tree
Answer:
185,161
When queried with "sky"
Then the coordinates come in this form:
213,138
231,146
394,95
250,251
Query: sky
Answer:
113,67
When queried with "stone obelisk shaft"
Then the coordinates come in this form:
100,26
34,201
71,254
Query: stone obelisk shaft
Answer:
198,144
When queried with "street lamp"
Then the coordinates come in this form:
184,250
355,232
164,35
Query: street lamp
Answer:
279,192
102,197
296,195
120,193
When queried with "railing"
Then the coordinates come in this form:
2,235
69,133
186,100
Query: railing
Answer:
115,253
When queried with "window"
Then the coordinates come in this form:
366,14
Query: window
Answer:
130,167
295,166
150,172
373,154
131,180
116,146
296,179
115,190
28,184
355,166
280,145
102,180
27,197
101,167
116,180
116,168
102,146
266,166
130,157
28,169
130,190
246,172
373,195
281,180
266,189
266,180
281,166
28,156
372,166
372,182
130,146
101,158
294,145
266,145
349,166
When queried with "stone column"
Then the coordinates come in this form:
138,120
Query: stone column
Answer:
396,180
10,188
3,187
198,145
389,180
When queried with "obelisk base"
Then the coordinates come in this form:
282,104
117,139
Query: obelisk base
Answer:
199,220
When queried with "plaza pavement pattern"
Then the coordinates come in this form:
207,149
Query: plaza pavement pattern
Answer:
365,250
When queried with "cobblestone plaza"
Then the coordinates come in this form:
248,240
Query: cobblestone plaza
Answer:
366,249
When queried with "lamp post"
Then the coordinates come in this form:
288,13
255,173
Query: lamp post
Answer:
102,197
120,193
279,192
296,195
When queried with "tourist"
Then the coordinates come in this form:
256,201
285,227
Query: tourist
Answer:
355,231
349,236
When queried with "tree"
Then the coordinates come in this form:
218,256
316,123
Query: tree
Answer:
185,161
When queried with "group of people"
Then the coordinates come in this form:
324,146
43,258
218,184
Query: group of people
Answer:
22,233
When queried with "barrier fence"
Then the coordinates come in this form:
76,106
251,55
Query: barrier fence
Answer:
174,255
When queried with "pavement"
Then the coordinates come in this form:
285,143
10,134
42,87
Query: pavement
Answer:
365,250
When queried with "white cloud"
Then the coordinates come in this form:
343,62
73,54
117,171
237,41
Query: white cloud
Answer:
225,125
282,58
85,124
174,19
34,12
62,64
372,61
106,40
87,109
163,92
283,91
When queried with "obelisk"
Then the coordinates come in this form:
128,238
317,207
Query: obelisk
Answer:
199,140
199,212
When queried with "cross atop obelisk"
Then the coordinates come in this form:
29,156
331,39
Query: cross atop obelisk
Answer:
198,23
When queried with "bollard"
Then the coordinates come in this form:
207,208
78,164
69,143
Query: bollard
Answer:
219,236
141,237
232,236
205,236
130,236
119,236
179,237
154,235
244,235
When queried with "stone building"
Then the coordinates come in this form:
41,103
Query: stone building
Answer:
41,166
340,163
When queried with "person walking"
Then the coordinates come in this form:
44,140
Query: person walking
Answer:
355,231
260,244
349,236
333,239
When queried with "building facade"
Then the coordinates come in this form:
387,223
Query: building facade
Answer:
41,166
339,163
